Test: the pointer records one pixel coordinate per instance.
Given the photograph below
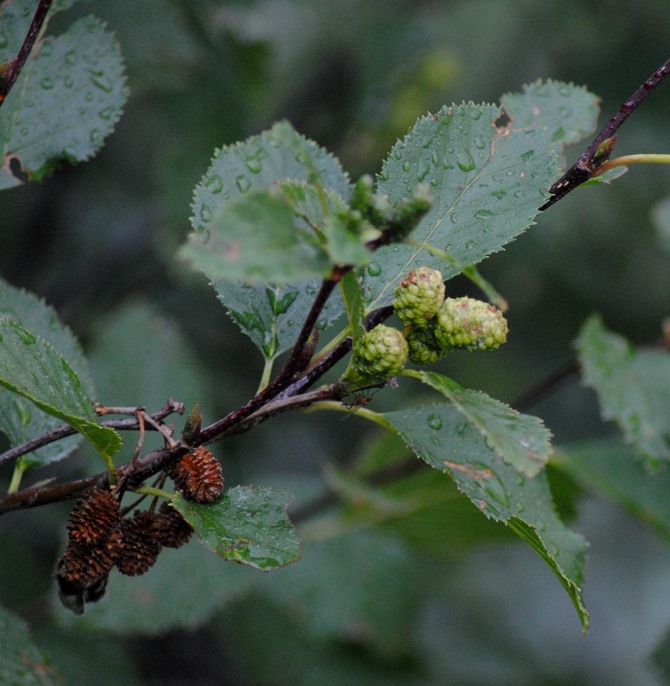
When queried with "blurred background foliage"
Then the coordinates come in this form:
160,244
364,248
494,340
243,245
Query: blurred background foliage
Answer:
441,596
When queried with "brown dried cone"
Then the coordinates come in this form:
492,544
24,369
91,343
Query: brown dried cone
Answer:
198,475
93,518
173,530
84,565
139,544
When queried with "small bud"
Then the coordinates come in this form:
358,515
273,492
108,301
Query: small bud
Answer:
469,323
192,425
377,355
419,296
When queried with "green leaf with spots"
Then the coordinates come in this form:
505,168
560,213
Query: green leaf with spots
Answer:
20,420
246,525
33,369
566,113
633,388
77,76
439,436
488,177
22,663
519,439
270,314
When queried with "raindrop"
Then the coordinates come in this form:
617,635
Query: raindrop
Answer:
205,213
107,113
464,161
25,131
28,338
4,42
101,81
214,184
470,245
89,96
483,214
499,194
479,141
68,81
423,172
47,83
94,136
254,165
243,183
406,166
527,155
71,57
435,422
374,269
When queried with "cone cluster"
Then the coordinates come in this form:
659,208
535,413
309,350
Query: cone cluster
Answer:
99,538
435,325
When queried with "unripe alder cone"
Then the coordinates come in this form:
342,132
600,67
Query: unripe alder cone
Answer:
423,346
379,353
419,296
469,323
198,475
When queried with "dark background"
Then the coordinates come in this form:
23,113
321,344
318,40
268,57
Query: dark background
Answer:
97,242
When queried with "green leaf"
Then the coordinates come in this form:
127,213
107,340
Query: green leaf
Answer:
21,662
633,387
270,315
519,439
438,435
255,239
20,420
247,525
352,294
609,467
76,77
184,589
322,210
31,368
488,178
566,112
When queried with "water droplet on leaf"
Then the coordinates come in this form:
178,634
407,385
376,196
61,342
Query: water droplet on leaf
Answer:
101,81
435,422
214,184
243,183
374,269
464,161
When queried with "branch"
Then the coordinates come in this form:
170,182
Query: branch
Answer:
598,152
59,432
9,71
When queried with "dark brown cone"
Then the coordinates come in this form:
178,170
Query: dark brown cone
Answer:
198,475
93,518
174,530
140,546
84,565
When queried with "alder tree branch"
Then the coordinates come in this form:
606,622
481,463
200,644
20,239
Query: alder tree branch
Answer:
590,161
9,71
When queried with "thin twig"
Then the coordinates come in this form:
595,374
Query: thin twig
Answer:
599,151
10,71
60,432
